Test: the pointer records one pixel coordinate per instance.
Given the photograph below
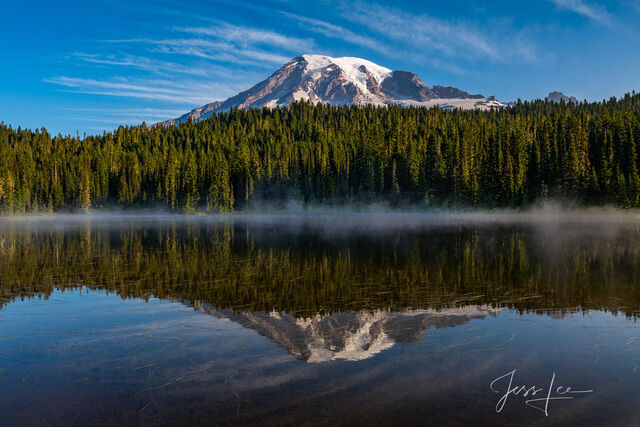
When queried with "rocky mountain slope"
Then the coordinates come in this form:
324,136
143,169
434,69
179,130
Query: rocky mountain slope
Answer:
559,96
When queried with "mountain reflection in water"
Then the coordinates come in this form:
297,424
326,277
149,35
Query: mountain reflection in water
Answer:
347,336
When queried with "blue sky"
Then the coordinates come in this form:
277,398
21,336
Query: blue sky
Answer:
90,66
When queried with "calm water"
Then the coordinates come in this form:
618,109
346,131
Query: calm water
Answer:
354,319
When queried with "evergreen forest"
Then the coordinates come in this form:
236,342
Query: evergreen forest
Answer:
584,153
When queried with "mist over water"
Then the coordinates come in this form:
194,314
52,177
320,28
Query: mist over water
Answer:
371,216
367,317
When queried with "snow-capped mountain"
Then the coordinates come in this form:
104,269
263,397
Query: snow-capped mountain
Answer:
347,335
556,96
341,81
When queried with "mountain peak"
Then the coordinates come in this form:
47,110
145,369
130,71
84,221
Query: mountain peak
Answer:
341,81
557,97
353,67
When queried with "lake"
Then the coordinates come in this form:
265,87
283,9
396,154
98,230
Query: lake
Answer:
348,318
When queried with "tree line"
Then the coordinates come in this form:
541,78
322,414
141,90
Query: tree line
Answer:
586,153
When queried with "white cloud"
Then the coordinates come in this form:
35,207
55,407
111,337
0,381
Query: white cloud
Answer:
455,39
142,63
160,90
214,50
246,36
337,32
596,13
188,80
138,114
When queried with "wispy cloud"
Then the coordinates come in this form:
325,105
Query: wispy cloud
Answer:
247,36
227,43
395,41
142,63
193,69
113,117
134,114
594,12
455,39
160,90
213,50
337,32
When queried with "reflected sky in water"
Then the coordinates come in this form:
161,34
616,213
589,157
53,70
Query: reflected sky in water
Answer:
284,320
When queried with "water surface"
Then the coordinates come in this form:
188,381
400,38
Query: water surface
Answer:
377,318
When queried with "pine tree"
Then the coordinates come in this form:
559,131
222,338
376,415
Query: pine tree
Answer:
85,188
